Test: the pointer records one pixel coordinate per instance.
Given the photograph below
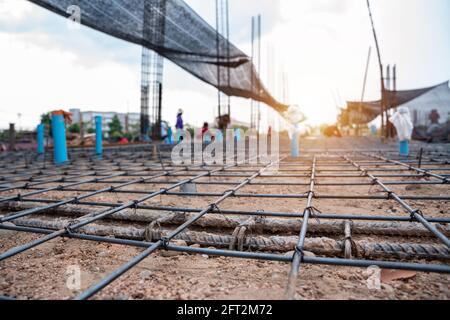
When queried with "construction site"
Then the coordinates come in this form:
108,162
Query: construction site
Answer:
348,212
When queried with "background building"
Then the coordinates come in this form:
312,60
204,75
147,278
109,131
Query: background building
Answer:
127,120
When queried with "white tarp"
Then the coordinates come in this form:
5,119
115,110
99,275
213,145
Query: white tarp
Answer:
437,99
402,122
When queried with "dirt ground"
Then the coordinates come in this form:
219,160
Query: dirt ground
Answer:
45,271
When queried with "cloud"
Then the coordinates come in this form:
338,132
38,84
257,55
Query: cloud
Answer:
14,11
36,79
44,28
337,7
241,12
321,43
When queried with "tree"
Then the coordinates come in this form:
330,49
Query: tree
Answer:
115,127
75,128
47,121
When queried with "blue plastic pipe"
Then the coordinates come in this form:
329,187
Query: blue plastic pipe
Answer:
98,136
219,136
237,134
40,139
295,152
404,148
59,139
169,139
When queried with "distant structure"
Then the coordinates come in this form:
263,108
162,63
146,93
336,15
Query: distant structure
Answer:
234,123
171,30
127,120
152,69
434,102
223,49
421,103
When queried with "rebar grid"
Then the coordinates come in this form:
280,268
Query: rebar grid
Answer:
30,180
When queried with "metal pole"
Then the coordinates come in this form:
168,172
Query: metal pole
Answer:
364,87
259,72
299,255
12,137
228,54
383,128
252,115
420,158
218,59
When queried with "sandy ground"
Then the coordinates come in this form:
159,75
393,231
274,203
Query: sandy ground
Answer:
43,272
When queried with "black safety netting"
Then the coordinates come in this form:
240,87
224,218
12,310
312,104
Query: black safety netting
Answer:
365,112
174,30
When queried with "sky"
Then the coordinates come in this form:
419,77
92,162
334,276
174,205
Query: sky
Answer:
321,46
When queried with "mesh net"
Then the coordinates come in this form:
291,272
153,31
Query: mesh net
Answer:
363,113
172,29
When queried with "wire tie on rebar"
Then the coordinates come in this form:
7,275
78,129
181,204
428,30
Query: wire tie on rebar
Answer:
313,213
413,214
231,191
69,226
26,185
164,190
261,219
350,240
165,243
308,193
215,207
19,197
68,229
389,195
301,252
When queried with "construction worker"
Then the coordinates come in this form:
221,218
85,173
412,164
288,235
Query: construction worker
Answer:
205,129
180,126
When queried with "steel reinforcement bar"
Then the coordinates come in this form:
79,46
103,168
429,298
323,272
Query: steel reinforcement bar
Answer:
415,214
